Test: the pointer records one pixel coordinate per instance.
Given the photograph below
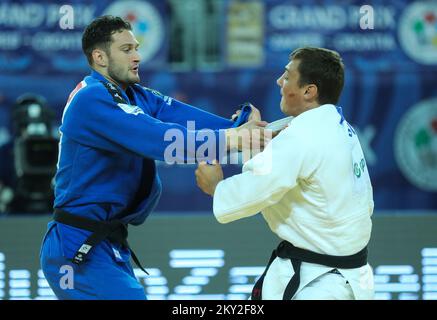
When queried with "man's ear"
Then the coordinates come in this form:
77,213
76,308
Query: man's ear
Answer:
100,57
311,92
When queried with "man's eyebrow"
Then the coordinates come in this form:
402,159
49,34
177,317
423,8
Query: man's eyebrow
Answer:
136,44
286,69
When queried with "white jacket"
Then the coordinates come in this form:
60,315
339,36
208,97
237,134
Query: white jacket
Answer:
312,186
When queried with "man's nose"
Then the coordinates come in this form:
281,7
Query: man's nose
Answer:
137,57
279,82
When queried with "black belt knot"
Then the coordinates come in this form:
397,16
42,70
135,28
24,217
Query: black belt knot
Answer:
114,230
296,255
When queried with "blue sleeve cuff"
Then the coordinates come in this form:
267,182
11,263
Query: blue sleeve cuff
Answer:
244,114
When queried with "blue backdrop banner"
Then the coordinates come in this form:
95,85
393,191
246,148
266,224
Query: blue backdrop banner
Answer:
44,37
390,96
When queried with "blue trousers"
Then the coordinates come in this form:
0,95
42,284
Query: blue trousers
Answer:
99,278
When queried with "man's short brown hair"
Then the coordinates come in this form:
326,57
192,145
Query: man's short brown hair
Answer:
98,34
321,67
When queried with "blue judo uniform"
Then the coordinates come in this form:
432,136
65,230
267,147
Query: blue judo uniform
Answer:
110,140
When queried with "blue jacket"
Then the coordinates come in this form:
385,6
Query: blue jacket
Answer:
110,140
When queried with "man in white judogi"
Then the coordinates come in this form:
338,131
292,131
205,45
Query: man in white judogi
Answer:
311,185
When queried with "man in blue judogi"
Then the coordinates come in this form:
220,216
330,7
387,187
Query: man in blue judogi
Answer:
112,132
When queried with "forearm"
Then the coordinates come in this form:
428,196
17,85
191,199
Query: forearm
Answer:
185,114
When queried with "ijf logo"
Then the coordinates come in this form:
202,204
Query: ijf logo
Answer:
418,32
146,22
416,145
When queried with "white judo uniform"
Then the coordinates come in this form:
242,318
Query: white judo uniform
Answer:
312,186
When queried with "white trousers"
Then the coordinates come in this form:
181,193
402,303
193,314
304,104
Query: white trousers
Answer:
328,286
316,283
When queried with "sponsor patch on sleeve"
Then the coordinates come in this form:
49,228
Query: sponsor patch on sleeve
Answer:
166,99
135,110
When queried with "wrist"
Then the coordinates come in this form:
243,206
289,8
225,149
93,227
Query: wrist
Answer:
214,187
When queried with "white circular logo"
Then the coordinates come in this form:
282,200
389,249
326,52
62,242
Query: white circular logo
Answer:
146,22
418,32
416,145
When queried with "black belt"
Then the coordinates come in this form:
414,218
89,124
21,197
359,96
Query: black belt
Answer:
286,250
115,231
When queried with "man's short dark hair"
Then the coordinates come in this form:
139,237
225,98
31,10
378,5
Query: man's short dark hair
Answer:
321,67
98,34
